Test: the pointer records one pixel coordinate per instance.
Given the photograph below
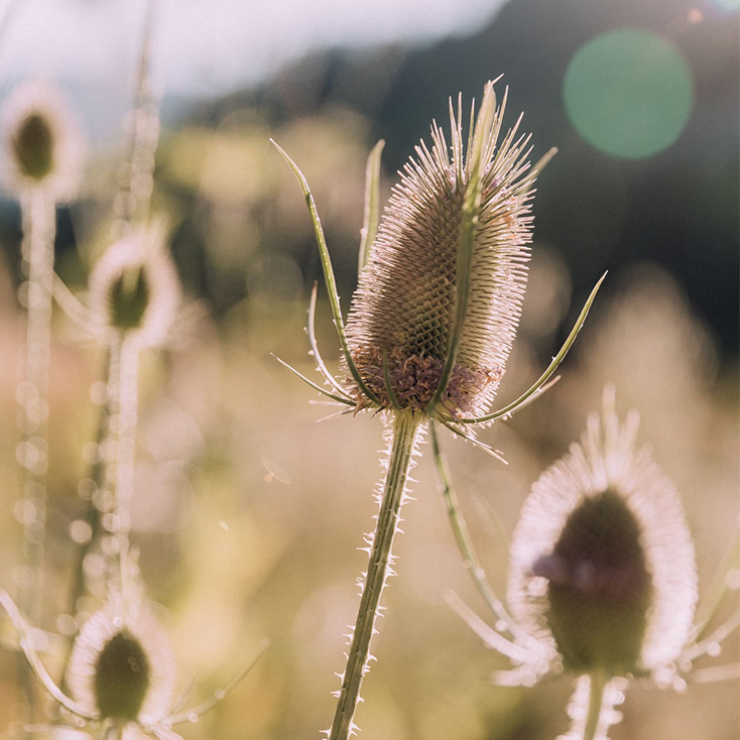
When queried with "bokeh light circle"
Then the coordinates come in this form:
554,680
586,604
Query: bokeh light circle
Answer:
628,93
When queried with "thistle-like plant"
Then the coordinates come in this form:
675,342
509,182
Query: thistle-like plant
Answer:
42,159
602,580
121,673
442,279
134,300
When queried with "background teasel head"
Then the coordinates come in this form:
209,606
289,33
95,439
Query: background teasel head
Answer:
134,288
602,562
452,237
43,143
603,580
121,667
121,671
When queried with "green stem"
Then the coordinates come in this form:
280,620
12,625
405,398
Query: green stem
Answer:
405,429
598,682
465,545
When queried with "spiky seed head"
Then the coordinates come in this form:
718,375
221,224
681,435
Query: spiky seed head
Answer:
43,144
401,321
602,562
134,287
121,666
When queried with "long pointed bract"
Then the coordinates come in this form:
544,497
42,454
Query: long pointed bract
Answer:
310,330
371,216
330,280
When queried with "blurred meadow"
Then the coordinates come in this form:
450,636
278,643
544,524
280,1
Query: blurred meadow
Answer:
248,510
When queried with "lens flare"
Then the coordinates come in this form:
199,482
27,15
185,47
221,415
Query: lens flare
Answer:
629,93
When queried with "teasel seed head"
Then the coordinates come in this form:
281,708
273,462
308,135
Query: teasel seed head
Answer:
602,562
43,143
446,272
121,667
134,287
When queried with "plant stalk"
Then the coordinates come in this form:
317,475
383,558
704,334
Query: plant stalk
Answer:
97,471
405,429
39,227
597,684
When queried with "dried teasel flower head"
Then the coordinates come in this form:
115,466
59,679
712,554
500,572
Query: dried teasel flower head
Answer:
121,667
442,278
602,562
134,288
43,144
446,273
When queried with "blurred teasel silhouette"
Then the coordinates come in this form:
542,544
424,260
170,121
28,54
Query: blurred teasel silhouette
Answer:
44,146
441,284
602,578
134,289
134,304
42,155
121,673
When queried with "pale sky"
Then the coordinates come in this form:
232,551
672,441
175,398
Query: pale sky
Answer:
209,47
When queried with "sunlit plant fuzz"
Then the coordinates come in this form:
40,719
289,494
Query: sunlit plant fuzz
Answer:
442,278
602,577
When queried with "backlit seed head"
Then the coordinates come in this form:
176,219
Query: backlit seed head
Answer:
401,321
42,141
602,562
134,287
121,666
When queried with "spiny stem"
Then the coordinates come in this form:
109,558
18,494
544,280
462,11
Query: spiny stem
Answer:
405,429
39,227
597,683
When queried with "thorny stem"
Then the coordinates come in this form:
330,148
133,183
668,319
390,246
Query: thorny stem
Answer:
405,430
39,228
597,684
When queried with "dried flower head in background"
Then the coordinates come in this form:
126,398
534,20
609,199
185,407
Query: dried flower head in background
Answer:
121,671
602,577
43,143
602,562
121,667
134,288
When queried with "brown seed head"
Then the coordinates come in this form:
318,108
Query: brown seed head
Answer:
402,319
